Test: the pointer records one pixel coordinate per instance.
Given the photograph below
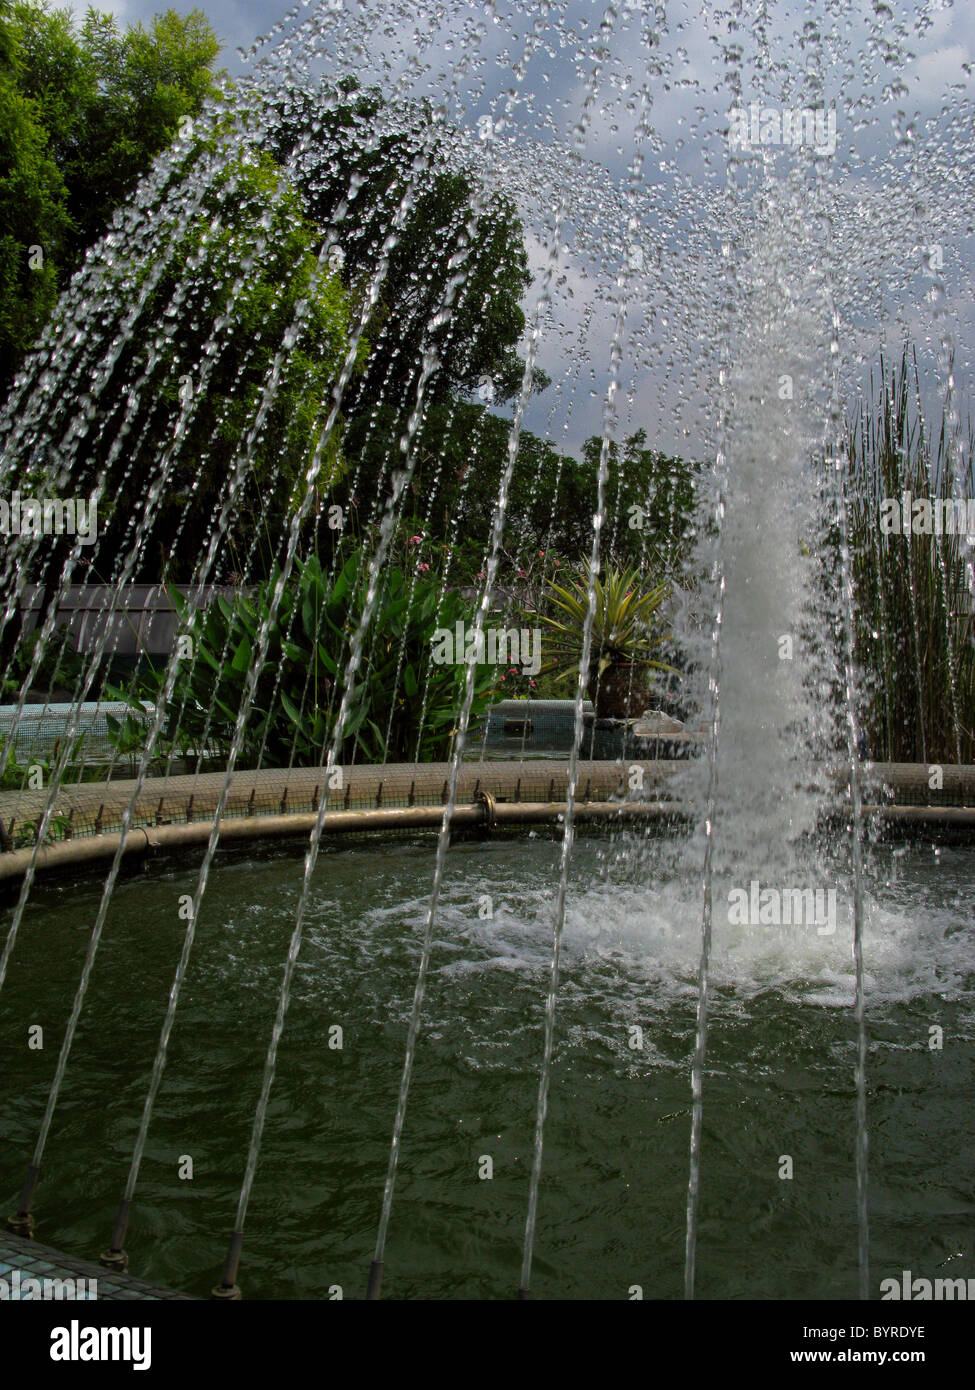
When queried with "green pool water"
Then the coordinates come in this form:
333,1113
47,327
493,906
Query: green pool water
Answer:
779,1079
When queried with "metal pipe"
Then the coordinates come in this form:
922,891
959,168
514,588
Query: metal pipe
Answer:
947,816
89,849
141,841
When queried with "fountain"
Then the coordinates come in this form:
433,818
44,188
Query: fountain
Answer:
543,291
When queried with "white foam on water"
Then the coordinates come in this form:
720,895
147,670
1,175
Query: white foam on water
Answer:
919,942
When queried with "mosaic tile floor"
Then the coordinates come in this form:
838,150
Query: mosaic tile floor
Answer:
31,1271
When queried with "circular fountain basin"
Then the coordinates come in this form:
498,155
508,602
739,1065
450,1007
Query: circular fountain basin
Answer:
779,1081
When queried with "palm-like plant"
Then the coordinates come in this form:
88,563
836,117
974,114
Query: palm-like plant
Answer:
625,635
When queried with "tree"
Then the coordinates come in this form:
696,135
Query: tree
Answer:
110,100
188,389
34,223
341,139
651,502
83,114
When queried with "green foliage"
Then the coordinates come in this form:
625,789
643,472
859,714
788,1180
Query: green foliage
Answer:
625,629
381,156
111,100
33,211
915,624
83,113
14,775
59,666
242,268
461,452
461,449
651,503
300,684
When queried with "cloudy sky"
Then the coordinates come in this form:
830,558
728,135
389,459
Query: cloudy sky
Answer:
557,105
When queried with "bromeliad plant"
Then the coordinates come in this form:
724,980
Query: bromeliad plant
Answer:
626,636
401,706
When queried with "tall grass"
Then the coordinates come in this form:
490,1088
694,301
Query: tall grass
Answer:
915,625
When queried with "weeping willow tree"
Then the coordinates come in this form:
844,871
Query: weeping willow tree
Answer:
915,620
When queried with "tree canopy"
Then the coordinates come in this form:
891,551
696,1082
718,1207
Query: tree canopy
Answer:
313,177
376,151
84,109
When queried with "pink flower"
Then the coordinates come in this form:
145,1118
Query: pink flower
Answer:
424,567
512,670
532,684
481,574
522,574
415,540
541,554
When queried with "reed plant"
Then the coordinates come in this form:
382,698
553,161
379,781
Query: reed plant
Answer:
914,621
